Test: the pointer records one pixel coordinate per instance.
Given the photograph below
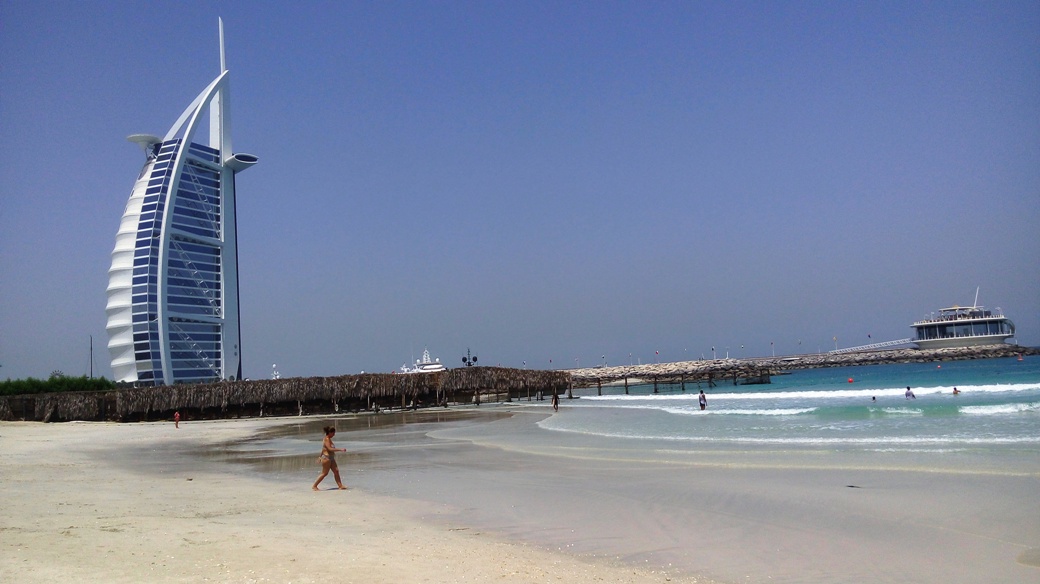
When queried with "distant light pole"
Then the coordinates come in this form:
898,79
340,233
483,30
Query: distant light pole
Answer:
630,359
713,358
604,358
577,363
471,360
772,347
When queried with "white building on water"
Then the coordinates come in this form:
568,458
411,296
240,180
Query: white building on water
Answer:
173,286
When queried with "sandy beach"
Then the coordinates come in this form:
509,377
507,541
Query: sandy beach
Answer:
105,502
489,496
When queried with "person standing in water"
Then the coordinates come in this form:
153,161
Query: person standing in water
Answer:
328,459
703,400
909,394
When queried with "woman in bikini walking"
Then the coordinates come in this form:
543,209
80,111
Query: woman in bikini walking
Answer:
328,458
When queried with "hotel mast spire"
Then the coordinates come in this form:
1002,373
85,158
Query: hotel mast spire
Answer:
223,63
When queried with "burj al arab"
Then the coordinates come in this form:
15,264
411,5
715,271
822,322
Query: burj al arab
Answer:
172,308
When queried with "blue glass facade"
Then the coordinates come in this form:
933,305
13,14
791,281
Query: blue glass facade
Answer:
968,329
192,273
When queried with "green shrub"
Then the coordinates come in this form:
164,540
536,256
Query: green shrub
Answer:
56,384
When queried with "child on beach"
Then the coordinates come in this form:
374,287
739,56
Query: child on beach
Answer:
328,459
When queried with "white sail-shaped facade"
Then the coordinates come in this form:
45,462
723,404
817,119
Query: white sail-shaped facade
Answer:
173,286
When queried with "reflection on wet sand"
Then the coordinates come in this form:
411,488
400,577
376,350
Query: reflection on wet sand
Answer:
368,438
640,502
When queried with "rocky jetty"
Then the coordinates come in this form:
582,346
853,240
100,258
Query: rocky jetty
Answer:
758,370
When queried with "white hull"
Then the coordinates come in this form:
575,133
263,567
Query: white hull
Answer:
961,342
424,365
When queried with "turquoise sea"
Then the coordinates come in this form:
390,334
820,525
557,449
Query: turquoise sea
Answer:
996,412
848,408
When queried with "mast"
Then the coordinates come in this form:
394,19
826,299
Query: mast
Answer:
220,107
220,26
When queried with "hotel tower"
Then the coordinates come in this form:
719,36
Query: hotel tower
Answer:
173,286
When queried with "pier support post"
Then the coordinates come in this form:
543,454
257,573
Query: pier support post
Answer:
626,385
599,387
682,381
655,384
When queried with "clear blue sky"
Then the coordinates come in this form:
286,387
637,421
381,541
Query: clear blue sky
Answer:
537,180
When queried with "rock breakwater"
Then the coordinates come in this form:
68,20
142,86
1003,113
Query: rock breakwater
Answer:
757,370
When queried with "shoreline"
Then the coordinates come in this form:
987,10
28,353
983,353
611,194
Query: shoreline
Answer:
481,494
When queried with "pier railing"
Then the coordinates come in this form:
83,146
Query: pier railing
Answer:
873,346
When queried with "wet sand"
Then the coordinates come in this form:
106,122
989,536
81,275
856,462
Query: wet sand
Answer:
477,496
731,514
102,502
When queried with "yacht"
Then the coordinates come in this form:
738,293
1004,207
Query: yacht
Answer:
963,326
424,365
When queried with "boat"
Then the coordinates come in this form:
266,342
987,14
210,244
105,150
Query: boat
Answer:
424,365
963,326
